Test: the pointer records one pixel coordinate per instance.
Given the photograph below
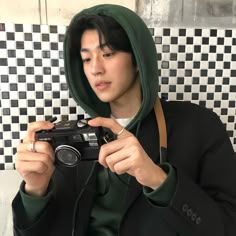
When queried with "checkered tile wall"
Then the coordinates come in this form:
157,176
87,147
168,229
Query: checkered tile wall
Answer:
197,65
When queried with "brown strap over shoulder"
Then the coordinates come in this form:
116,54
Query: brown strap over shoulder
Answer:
162,130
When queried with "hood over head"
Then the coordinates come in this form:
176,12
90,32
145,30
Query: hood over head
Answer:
145,54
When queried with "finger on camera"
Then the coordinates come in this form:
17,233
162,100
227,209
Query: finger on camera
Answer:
34,127
39,147
109,123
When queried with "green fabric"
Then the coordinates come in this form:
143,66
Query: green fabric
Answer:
145,54
33,206
106,215
162,195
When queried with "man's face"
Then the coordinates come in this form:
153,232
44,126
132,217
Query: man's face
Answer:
110,73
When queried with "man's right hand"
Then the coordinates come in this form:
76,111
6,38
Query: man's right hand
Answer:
35,160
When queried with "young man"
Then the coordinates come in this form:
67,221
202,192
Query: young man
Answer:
110,64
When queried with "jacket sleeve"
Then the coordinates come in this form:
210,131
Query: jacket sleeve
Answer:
204,202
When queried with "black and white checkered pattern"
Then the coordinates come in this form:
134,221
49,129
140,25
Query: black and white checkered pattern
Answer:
197,65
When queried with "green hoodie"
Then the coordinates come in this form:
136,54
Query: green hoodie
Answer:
145,54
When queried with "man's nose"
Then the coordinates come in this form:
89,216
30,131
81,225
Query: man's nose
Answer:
97,66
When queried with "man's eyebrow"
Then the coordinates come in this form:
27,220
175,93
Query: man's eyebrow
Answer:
101,46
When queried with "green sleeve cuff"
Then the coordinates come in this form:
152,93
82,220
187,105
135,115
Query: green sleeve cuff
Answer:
33,206
163,195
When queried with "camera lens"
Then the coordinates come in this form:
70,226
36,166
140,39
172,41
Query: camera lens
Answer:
67,155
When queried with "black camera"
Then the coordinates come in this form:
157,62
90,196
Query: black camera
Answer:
75,141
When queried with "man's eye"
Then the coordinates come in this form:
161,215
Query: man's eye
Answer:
85,60
109,54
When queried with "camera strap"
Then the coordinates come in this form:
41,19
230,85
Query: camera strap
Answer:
162,130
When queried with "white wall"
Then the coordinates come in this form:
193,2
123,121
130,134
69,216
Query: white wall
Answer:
52,12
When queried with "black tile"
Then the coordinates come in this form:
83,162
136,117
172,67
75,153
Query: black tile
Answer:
174,40
3,62
195,80
6,111
6,127
20,45
29,53
39,79
19,27
38,62
30,70
211,65
15,119
166,32
4,78
11,53
173,56
233,73
23,111
220,41
56,110
30,87
47,103
211,80
39,111
54,46
213,33
7,143
46,70
20,62
39,95
21,78
53,29
37,45
31,103
212,49
10,36
47,87
61,37
22,95
158,40
219,73
28,36
189,56
14,103
36,28
3,44
227,49
46,54
182,32
8,159
45,37
180,80
73,110
219,57
56,94
196,64
64,102
228,33
205,40
2,27
233,88
5,95
13,87
198,32
12,70
189,40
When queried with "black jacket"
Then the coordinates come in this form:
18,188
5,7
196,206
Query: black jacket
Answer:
204,202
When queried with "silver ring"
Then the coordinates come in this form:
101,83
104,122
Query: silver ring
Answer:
32,146
120,132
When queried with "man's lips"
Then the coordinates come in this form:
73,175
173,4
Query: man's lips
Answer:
101,85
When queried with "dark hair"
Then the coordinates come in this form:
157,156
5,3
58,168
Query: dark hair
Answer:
114,35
